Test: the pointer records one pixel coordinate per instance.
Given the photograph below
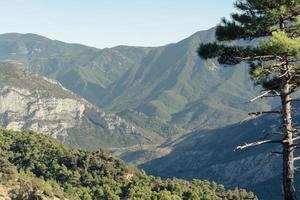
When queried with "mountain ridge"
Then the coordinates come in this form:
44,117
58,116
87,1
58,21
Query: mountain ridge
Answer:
140,78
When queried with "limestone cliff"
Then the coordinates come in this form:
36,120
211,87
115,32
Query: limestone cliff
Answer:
32,102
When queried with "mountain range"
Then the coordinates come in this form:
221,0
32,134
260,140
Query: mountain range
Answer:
169,83
172,113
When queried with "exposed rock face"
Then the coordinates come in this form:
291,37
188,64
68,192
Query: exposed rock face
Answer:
32,102
108,121
24,109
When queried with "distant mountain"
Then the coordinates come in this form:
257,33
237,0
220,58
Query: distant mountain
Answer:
84,70
169,83
33,102
174,84
210,155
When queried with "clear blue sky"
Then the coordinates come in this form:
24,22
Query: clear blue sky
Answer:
107,23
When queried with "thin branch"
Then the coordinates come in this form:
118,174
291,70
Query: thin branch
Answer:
272,88
271,96
296,158
255,114
291,91
296,138
257,144
266,57
277,152
293,100
260,96
284,74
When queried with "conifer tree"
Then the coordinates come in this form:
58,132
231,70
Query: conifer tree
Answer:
270,30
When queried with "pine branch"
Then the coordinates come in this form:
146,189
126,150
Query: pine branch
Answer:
294,100
255,114
294,139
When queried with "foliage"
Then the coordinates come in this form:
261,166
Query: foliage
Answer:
91,175
275,27
272,49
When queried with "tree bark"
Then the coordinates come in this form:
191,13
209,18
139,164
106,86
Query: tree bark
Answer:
288,148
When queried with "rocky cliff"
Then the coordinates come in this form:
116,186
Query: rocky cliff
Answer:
32,102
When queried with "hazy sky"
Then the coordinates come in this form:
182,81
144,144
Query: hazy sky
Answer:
107,23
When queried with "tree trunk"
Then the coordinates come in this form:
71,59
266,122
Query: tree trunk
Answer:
288,148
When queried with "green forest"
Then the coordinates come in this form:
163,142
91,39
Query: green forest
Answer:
35,166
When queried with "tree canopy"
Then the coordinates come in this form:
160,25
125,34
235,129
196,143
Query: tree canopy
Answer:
34,165
270,30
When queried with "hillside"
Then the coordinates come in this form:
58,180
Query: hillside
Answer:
210,155
169,83
174,84
32,102
34,166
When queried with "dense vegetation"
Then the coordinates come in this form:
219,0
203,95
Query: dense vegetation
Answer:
42,166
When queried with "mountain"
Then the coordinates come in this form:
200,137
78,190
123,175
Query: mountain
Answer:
33,166
173,84
33,102
73,65
210,155
170,84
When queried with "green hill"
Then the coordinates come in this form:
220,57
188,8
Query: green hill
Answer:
34,166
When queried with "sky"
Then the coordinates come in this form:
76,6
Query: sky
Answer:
108,23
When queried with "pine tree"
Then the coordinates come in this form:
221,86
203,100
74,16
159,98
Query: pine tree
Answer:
270,30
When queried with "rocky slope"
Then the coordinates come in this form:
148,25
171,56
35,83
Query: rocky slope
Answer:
31,102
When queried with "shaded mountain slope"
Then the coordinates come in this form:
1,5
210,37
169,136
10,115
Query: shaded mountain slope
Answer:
210,155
